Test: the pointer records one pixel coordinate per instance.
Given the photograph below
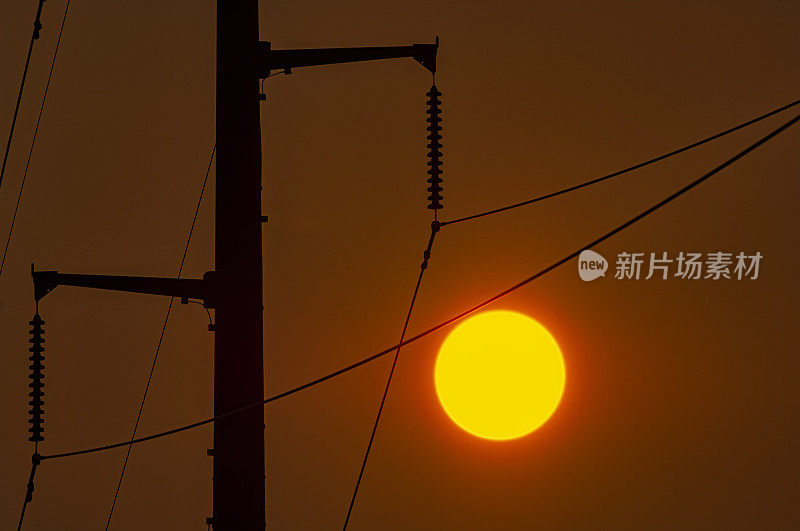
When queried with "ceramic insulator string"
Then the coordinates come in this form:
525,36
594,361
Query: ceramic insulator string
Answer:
434,149
37,380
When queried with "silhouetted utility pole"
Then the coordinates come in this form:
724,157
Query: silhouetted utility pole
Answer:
234,289
238,365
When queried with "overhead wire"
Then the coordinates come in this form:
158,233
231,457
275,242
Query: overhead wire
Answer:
396,348
33,140
37,26
434,155
423,267
454,318
626,170
35,460
160,340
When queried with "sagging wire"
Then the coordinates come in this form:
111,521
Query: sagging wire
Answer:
625,170
555,265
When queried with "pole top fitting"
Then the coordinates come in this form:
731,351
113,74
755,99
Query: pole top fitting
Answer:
43,282
425,54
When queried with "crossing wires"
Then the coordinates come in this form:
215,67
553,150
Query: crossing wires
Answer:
423,266
434,164
555,265
435,198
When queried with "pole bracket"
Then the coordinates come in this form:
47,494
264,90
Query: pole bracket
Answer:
286,60
184,288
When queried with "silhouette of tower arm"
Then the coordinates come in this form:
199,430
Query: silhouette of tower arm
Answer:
184,288
269,59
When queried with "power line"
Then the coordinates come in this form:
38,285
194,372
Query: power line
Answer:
35,460
626,170
423,266
37,25
455,318
33,140
160,340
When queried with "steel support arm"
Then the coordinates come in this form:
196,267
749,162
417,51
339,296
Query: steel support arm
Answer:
424,54
46,281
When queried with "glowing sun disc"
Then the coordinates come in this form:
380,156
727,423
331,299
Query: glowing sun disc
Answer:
499,375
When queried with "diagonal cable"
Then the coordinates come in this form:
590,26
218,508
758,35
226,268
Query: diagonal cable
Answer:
37,26
626,170
423,266
33,140
160,340
453,319
35,460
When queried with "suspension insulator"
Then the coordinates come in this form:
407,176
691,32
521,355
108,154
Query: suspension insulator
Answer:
434,149
36,377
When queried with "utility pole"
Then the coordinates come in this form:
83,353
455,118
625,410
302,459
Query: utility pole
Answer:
238,366
234,289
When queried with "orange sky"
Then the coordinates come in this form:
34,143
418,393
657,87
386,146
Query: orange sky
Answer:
680,396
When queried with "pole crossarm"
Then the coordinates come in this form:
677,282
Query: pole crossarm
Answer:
46,281
269,59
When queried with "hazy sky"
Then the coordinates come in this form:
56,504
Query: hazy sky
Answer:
681,397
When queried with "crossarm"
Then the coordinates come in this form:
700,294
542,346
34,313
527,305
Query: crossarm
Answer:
424,54
46,281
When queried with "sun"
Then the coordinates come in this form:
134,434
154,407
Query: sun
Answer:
499,375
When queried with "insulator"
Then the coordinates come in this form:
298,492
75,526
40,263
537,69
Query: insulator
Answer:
434,148
37,379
